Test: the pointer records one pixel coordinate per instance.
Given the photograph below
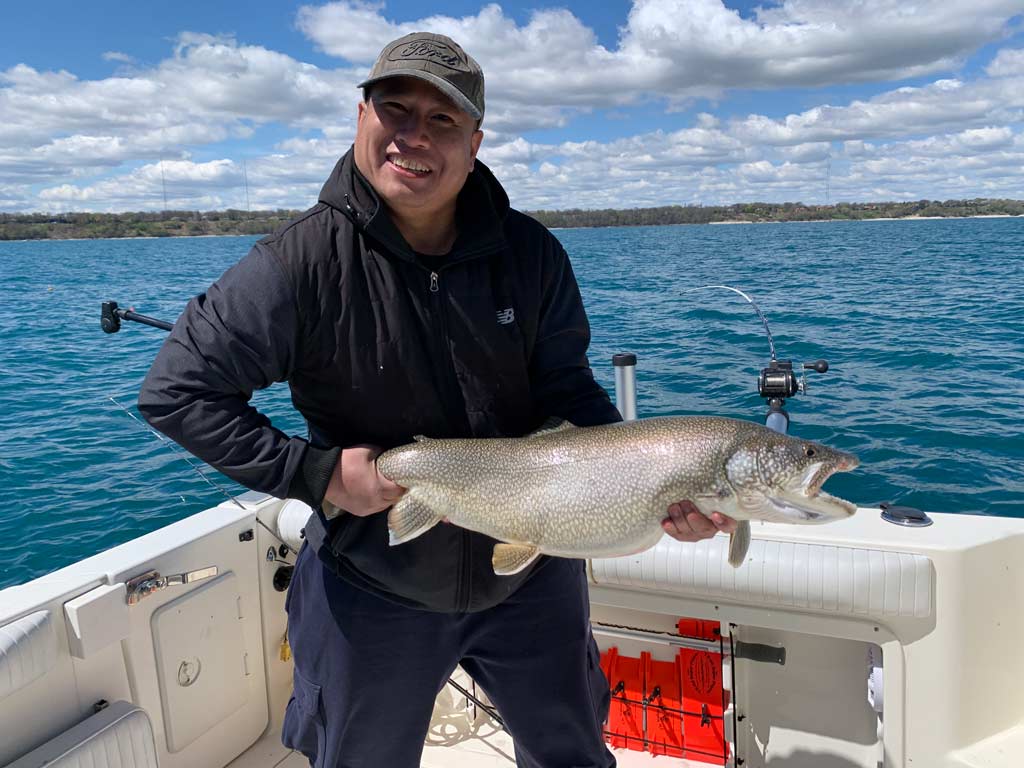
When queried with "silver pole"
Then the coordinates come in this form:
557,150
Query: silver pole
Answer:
661,638
625,385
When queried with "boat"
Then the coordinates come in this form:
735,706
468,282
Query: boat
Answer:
889,639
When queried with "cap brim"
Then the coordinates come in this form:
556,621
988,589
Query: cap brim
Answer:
458,97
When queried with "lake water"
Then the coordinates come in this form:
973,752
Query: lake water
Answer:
922,323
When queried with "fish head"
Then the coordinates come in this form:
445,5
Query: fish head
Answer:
778,478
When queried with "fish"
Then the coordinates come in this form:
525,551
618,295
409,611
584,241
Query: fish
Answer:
603,491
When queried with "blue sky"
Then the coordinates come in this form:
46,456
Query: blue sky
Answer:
105,105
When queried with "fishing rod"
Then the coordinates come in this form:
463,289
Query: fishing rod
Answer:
110,321
111,316
777,381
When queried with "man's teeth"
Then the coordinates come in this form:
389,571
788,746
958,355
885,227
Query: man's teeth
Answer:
409,165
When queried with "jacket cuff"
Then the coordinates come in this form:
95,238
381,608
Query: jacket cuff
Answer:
310,481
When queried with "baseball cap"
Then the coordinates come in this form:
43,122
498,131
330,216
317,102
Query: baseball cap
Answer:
440,61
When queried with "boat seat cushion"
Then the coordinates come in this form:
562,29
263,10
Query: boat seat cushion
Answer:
119,736
28,650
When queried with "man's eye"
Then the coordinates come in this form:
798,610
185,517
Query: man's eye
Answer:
443,118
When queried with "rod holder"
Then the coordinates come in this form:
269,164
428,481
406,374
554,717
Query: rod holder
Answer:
625,384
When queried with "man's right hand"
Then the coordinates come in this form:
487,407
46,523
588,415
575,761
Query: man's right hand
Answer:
357,487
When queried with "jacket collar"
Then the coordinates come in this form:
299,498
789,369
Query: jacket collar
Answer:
480,211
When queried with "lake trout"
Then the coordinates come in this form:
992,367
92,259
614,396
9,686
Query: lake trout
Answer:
586,492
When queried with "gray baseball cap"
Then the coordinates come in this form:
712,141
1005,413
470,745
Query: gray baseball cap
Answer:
440,61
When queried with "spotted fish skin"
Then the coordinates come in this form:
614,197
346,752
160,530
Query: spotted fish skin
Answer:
603,491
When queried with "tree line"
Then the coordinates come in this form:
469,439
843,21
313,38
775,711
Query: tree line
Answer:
64,226
777,212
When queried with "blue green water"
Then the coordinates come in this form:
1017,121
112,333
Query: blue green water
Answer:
921,321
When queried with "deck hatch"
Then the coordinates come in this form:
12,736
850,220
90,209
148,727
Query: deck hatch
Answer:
200,659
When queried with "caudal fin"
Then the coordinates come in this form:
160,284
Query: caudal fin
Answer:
410,518
739,543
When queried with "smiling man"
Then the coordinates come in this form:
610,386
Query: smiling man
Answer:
412,299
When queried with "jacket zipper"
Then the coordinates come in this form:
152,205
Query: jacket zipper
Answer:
463,593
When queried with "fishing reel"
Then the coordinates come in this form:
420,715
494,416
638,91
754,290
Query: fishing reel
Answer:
777,382
779,379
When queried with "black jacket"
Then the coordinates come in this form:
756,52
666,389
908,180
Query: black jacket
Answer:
376,348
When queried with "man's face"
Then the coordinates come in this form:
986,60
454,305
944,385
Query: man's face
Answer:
414,145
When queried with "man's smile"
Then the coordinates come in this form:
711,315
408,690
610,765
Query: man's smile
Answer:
408,166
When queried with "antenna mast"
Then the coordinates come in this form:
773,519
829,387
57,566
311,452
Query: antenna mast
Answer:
245,176
828,178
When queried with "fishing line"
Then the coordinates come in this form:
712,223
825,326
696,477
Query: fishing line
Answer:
188,460
764,320
179,453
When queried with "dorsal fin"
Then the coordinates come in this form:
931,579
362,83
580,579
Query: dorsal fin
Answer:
421,438
551,424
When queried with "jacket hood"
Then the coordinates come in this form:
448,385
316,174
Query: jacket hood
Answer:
480,211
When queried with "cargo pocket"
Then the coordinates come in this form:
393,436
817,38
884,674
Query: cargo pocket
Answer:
304,729
600,694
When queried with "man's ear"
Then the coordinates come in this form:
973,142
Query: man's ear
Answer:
474,143
361,112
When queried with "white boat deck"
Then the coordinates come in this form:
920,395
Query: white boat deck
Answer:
937,609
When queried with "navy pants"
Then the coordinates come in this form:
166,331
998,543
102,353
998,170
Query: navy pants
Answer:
367,670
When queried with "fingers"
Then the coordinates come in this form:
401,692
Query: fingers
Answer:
686,523
357,487
723,523
388,490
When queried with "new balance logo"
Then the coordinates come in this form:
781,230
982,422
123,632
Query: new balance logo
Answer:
506,316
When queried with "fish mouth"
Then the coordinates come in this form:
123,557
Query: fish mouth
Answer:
816,474
822,505
798,508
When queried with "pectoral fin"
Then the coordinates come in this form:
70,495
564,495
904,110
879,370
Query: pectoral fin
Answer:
512,558
739,543
551,424
410,518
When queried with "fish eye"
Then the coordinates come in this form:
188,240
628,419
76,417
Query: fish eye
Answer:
808,451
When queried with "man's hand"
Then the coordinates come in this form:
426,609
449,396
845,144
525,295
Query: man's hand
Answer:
357,487
686,523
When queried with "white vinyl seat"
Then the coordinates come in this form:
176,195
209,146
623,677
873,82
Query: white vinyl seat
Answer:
119,736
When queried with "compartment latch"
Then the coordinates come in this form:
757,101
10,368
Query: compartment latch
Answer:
151,581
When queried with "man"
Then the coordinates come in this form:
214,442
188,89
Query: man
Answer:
411,300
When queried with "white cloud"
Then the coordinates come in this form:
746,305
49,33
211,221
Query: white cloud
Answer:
941,105
123,58
1009,62
182,179
208,88
683,47
68,142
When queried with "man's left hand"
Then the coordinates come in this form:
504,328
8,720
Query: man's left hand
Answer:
686,523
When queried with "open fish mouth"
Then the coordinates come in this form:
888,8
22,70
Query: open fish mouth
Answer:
816,475
798,508
847,506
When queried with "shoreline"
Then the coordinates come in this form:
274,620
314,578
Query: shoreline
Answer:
131,237
728,222
873,218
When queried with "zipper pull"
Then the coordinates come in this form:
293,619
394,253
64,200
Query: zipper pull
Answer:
433,282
